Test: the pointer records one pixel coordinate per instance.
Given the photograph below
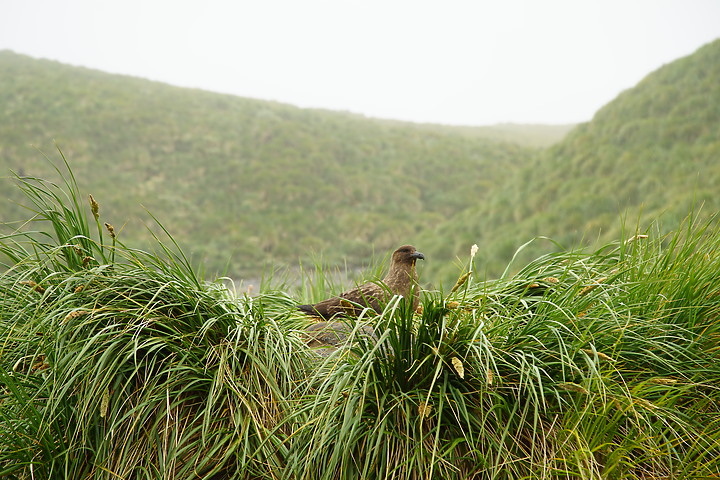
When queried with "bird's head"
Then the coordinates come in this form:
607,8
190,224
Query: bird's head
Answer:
407,254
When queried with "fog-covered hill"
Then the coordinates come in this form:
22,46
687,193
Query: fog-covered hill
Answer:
653,152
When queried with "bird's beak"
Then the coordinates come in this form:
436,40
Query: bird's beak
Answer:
418,256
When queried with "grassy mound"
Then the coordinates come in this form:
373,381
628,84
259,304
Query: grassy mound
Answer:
118,363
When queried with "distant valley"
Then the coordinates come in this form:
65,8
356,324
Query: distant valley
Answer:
244,184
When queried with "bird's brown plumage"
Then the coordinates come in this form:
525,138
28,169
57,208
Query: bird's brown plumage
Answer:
401,279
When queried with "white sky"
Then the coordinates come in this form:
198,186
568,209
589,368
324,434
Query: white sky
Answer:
444,61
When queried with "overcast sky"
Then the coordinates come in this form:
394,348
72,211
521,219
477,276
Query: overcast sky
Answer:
446,61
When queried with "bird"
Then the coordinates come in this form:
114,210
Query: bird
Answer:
401,279
326,336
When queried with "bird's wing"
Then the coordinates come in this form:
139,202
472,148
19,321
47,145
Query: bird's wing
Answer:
351,302
370,294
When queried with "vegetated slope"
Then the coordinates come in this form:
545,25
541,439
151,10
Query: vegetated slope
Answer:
527,134
238,181
652,152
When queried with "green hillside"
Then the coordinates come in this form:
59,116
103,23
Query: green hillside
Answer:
240,182
653,152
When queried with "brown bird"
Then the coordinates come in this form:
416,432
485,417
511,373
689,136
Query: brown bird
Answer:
401,279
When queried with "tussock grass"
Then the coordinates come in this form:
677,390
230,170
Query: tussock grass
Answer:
118,363
129,366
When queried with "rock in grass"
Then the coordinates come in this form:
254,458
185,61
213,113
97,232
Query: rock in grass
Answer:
326,337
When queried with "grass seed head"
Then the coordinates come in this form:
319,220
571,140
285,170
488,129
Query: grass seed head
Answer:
104,402
458,366
663,381
424,409
75,314
460,282
94,207
110,229
33,285
40,364
600,355
573,387
647,404
635,238
592,286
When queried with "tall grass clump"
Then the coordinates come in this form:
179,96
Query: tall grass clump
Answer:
583,365
117,363
121,364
